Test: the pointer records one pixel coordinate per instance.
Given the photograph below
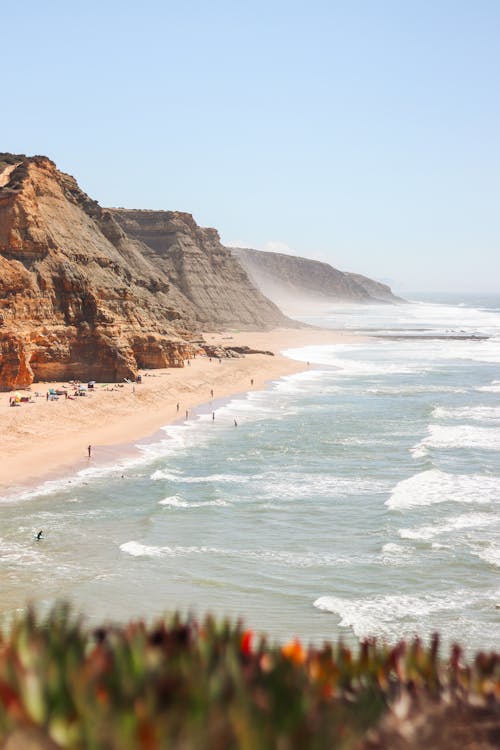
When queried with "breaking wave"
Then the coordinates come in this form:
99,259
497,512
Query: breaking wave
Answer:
436,486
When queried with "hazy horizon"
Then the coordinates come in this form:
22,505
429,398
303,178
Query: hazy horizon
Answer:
361,134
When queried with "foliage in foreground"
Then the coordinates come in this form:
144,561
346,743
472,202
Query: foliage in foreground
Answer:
186,685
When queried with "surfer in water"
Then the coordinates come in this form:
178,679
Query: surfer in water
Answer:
39,536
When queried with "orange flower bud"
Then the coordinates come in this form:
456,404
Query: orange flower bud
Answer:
293,650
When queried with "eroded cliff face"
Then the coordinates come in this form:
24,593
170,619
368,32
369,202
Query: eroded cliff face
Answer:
94,293
291,281
77,297
206,272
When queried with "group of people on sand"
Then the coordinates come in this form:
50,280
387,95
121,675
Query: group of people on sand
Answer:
71,391
17,400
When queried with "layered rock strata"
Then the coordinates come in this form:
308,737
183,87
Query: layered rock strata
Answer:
94,293
77,297
81,298
206,272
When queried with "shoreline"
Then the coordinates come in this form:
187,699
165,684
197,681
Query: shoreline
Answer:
47,440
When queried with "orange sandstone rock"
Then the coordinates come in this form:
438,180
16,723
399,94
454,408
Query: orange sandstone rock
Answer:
82,295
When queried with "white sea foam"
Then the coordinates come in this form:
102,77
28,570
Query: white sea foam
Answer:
357,366
247,407
303,382
179,438
457,436
136,549
459,523
206,478
175,501
416,316
487,351
15,553
490,555
172,476
396,554
178,477
48,488
295,559
68,483
392,547
413,390
484,351
494,387
489,414
271,506
294,485
385,614
282,558
319,355
435,486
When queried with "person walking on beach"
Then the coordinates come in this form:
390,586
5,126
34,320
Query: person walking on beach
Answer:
177,408
235,423
89,449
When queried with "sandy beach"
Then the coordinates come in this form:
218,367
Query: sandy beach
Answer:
48,438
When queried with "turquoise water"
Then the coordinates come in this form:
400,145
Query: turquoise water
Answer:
359,497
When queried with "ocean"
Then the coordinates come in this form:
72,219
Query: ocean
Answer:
360,497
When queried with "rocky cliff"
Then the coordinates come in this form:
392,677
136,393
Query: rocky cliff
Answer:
79,297
96,293
206,272
289,280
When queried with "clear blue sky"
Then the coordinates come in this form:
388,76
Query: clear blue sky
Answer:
364,133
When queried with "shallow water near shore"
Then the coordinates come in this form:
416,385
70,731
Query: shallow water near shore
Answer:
359,497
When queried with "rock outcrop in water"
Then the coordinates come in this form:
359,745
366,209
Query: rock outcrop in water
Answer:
290,279
80,297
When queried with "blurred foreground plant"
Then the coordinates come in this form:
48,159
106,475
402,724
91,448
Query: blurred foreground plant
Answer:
186,685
